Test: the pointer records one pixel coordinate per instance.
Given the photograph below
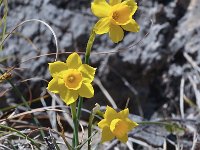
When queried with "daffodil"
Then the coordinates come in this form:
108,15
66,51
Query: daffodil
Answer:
114,17
71,79
116,124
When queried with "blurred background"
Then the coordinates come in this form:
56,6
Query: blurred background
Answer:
147,68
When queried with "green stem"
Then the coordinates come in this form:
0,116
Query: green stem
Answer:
75,121
91,118
153,123
90,129
80,103
170,127
73,140
87,56
5,21
89,46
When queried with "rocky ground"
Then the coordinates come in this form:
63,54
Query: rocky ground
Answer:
149,72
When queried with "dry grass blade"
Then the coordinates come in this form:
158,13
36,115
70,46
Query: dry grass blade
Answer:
34,111
181,97
126,83
194,140
132,89
165,145
51,114
65,109
63,132
129,145
105,92
35,20
139,142
21,104
80,146
11,115
111,145
191,61
4,147
21,134
196,90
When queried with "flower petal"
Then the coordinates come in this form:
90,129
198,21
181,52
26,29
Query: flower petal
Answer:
121,14
56,67
86,90
110,114
132,5
106,134
74,61
68,96
123,139
116,33
124,113
131,124
53,85
131,26
114,2
100,8
102,26
103,123
87,72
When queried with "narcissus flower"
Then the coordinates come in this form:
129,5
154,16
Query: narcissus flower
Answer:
71,79
116,124
114,17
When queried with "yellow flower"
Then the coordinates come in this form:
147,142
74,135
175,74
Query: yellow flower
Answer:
114,17
116,125
71,79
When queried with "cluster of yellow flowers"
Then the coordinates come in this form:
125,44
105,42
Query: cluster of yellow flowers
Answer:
114,17
72,78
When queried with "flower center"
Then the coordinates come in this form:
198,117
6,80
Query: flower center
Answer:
73,79
121,14
119,127
115,15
